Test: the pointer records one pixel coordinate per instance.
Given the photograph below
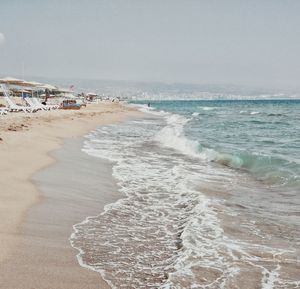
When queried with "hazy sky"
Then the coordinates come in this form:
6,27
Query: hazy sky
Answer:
254,42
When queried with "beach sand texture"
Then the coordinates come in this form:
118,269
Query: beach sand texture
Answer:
34,249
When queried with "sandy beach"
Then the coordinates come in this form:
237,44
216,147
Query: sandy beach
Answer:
36,219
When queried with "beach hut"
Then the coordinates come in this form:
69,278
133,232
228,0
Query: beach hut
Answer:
90,96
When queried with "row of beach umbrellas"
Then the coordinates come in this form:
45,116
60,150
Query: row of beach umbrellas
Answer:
20,82
30,85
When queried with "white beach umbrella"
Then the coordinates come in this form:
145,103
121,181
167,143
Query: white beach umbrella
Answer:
18,82
64,90
32,83
48,86
91,94
69,95
11,80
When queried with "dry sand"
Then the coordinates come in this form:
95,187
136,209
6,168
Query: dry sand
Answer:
34,247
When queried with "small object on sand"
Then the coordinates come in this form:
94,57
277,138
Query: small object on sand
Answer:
70,104
12,129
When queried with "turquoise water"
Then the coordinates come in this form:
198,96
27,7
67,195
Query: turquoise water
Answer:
210,197
260,136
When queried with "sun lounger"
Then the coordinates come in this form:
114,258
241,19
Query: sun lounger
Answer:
11,105
42,106
30,102
3,110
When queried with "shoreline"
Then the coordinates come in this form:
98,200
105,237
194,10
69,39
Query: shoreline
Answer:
27,151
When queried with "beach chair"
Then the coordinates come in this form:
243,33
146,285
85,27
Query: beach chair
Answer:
15,108
3,110
45,107
11,105
30,102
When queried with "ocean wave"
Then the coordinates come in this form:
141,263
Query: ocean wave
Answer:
149,109
271,169
137,240
172,136
166,232
249,112
207,108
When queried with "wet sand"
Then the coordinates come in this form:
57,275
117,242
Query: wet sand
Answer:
36,220
75,187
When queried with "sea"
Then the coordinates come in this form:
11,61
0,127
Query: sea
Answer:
211,197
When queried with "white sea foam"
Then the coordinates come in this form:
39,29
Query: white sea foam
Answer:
148,173
249,112
270,278
172,136
207,107
165,230
150,110
142,107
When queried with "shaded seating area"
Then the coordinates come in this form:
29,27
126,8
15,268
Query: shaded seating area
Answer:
11,105
17,95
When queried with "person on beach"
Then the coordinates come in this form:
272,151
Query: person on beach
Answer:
47,95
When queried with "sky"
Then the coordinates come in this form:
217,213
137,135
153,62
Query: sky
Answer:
242,42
